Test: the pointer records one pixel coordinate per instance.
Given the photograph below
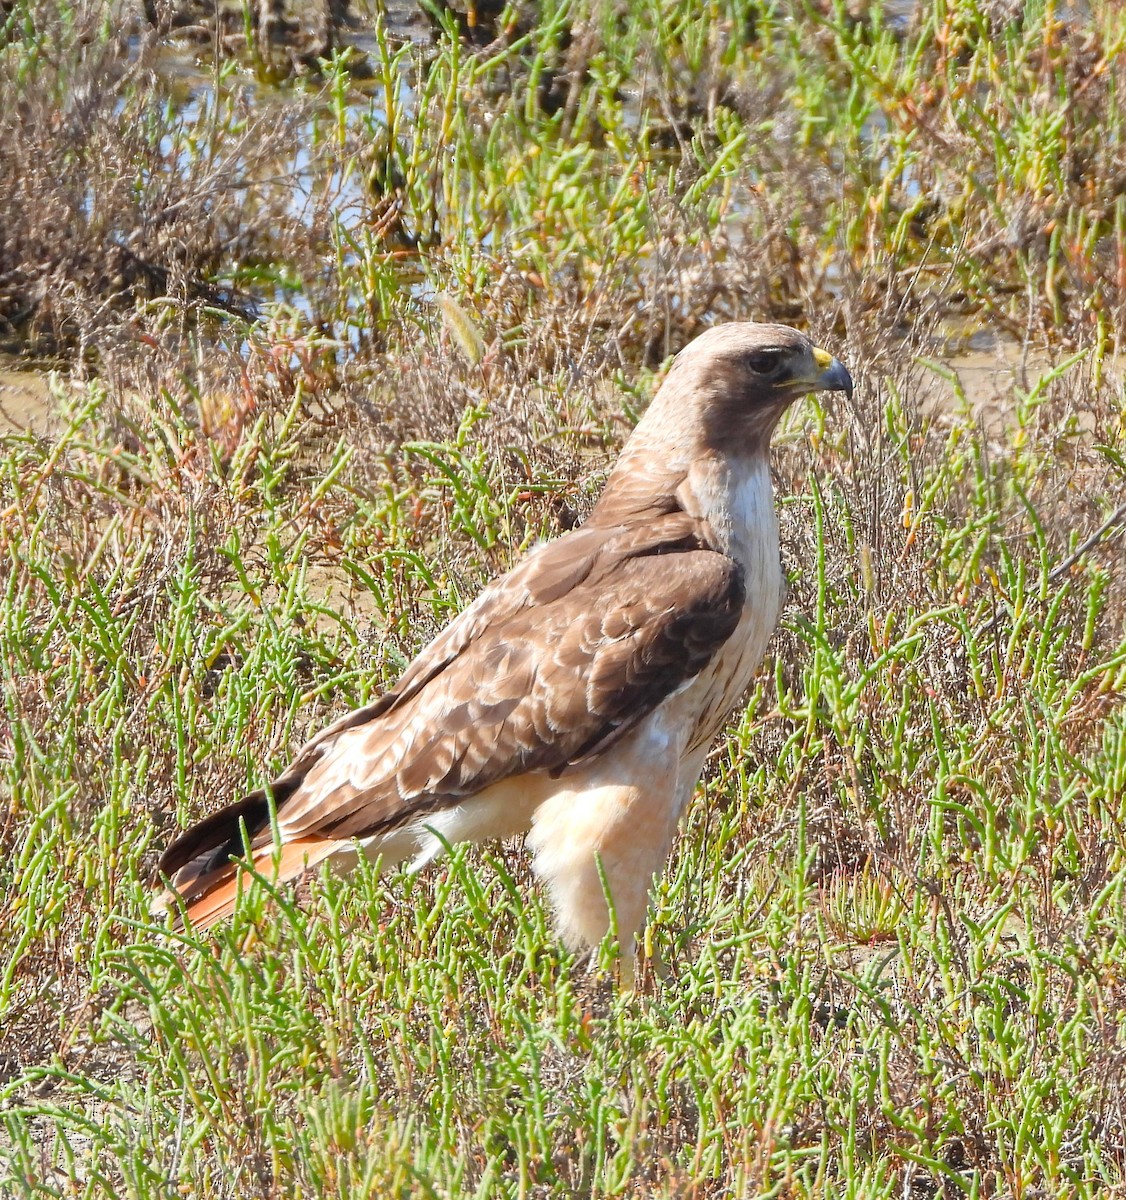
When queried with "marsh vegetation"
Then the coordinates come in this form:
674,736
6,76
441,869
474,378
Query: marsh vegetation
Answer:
335,329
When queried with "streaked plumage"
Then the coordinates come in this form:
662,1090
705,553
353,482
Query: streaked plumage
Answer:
577,697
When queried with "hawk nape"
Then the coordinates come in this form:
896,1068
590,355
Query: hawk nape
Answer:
576,698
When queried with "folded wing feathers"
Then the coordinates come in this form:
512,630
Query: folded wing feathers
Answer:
549,666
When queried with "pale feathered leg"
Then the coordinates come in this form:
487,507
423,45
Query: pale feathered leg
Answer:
609,832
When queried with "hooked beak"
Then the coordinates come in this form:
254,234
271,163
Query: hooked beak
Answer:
834,375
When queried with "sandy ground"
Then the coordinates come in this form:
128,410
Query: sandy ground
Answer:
987,372
25,401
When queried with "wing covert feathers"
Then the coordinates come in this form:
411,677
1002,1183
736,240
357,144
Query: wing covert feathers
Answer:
549,667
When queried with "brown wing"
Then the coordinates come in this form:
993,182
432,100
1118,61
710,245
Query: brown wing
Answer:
550,665
536,685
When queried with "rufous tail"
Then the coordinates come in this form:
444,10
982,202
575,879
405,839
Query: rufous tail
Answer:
207,865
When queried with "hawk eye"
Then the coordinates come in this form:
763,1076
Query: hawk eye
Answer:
765,362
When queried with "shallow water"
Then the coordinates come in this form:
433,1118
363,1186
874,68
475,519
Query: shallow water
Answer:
987,367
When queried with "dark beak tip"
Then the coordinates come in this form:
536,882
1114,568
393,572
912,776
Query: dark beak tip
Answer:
837,379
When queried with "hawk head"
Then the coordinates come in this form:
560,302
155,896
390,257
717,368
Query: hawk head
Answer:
742,377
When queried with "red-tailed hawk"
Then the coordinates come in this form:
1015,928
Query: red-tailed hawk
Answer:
576,698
